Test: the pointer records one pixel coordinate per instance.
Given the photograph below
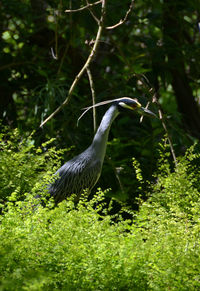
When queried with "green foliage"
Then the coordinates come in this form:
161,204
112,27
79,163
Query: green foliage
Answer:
82,247
178,191
22,164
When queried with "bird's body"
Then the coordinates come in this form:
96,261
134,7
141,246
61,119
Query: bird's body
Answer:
80,173
83,171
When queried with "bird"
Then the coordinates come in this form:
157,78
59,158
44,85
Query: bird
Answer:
83,171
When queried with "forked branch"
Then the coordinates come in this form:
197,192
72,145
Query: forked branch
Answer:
92,13
93,50
87,63
84,7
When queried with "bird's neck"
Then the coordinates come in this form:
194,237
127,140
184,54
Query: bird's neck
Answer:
100,139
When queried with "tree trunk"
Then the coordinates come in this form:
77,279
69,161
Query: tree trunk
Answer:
173,41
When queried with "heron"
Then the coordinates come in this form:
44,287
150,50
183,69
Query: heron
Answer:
83,171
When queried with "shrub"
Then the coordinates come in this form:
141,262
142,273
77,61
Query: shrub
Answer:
81,247
22,165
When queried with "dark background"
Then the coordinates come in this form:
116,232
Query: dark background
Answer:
159,42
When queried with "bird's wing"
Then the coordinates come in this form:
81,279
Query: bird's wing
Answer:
74,177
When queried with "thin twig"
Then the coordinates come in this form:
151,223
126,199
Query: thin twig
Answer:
53,55
162,118
92,13
84,7
87,63
146,107
93,97
160,112
125,18
94,16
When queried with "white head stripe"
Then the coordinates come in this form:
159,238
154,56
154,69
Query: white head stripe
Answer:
125,105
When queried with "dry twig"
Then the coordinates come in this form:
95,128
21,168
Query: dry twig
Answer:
93,97
92,13
160,112
162,118
125,18
87,63
84,7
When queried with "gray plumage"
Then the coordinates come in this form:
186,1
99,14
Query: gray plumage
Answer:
83,171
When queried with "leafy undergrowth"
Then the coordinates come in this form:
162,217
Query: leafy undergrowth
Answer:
82,247
22,164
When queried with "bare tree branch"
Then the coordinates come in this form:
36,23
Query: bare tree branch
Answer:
84,7
93,97
125,18
87,63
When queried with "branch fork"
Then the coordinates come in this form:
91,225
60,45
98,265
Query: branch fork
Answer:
93,50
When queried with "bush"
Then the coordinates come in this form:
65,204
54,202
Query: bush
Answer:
22,165
81,247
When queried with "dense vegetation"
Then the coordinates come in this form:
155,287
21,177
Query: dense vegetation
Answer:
140,231
84,247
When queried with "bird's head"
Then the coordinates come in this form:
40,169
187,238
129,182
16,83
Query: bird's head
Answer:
123,104
127,103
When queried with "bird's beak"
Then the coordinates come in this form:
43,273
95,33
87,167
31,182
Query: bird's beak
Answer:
144,111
